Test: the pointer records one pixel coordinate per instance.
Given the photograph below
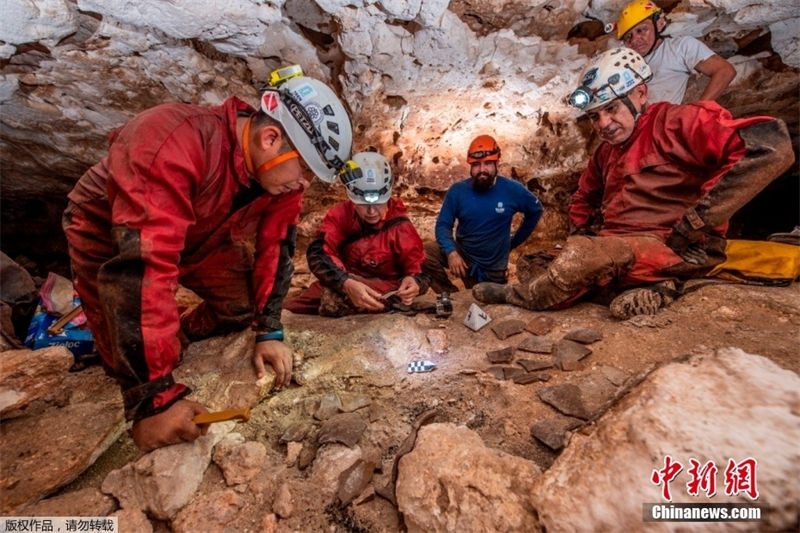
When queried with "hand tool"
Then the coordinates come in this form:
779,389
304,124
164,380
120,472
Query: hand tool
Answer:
242,415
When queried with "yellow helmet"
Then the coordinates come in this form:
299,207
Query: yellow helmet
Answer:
634,13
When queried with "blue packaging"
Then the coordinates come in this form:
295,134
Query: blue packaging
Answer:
77,339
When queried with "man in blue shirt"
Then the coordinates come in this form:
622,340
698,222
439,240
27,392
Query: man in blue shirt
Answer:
483,205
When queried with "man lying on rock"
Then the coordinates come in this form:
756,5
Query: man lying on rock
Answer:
653,205
365,248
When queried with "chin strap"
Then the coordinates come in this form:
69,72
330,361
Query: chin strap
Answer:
248,160
635,112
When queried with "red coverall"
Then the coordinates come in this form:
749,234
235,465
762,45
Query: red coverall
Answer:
346,246
172,203
639,189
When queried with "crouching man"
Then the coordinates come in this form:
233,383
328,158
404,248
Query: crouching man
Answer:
365,249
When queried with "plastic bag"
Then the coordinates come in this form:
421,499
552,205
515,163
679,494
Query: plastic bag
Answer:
58,299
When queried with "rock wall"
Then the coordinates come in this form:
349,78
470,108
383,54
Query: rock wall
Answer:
422,77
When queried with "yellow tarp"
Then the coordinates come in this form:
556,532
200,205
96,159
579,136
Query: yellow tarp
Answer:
759,259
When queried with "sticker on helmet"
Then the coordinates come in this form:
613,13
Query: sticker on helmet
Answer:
314,112
629,80
270,101
589,77
370,178
303,92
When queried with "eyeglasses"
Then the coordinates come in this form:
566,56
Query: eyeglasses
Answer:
482,153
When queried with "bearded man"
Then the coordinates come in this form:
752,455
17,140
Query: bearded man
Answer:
483,207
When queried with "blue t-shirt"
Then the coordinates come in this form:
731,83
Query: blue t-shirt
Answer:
484,221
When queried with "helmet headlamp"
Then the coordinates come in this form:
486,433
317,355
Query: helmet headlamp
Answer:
581,97
371,197
480,154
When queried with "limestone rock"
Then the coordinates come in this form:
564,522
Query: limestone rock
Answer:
68,439
283,506
438,340
684,410
452,482
82,502
132,521
27,375
210,513
329,464
163,481
239,461
220,372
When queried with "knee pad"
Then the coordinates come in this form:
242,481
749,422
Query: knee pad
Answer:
586,260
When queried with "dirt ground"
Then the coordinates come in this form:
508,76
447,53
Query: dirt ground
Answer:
367,355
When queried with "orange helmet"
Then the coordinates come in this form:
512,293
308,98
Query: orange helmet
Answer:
483,148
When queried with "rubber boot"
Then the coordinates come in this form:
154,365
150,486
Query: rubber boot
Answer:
490,293
642,300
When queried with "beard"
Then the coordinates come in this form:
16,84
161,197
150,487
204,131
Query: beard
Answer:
483,181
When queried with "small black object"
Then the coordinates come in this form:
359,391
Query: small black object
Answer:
444,307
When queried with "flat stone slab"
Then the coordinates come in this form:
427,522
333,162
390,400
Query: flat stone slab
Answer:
353,402
296,432
329,405
345,428
554,432
537,344
540,325
496,371
531,377
503,355
587,397
569,353
507,328
505,372
531,365
353,480
583,335
566,398
615,375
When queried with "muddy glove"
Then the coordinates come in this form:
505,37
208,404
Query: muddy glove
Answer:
695,255
687,243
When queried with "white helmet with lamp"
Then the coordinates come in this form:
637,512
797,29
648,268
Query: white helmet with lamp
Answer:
313,117
611,75
367,179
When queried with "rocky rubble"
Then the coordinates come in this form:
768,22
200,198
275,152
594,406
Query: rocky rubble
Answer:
364,445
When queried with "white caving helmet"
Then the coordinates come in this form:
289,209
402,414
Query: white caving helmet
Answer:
367,179
612,74
313,117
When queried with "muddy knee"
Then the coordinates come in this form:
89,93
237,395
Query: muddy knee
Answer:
585,261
